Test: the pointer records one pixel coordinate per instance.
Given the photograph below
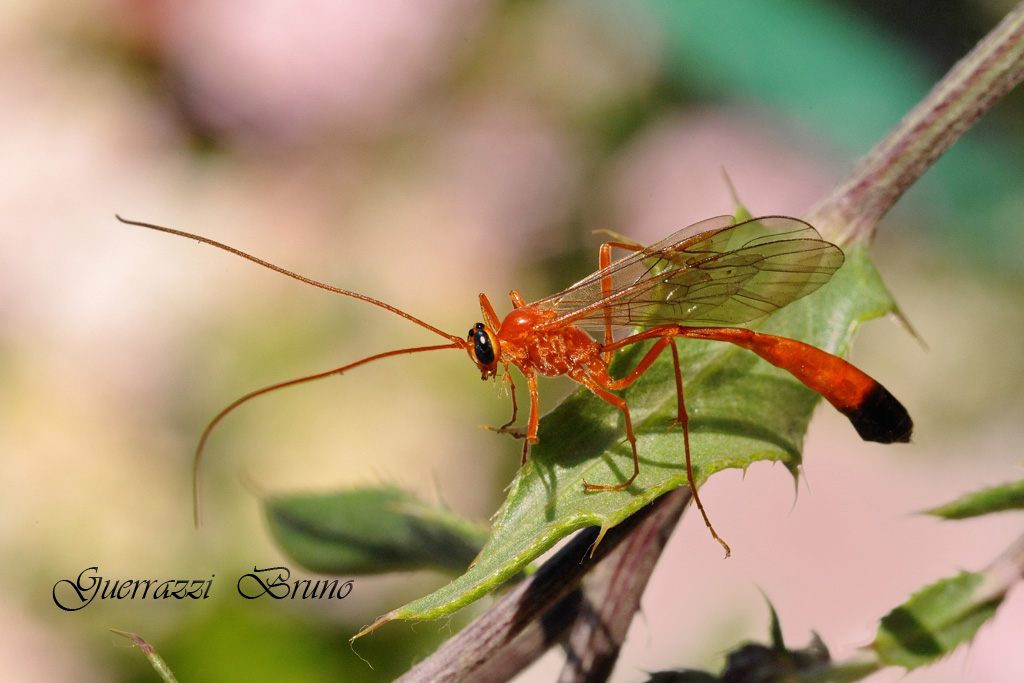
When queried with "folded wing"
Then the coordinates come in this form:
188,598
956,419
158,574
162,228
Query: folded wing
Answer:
715,272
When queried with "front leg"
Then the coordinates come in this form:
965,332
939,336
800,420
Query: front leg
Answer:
488,312
515,406
530,435
507,427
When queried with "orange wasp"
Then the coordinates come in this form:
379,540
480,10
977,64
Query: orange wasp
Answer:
695,283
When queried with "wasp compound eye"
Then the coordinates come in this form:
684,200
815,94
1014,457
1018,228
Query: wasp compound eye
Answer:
483,349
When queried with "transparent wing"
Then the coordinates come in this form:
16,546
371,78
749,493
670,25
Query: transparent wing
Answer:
715,272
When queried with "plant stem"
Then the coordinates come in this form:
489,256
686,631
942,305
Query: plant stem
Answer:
851,212
537,613
612,593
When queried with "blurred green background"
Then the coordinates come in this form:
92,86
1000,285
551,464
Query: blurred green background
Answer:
421,153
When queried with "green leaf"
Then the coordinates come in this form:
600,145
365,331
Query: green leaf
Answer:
775,628
935,620
995,499
372,531
741,410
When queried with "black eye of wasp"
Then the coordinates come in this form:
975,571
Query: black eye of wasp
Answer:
482,347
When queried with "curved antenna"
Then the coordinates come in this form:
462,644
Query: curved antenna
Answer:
456,343
197,506
283,271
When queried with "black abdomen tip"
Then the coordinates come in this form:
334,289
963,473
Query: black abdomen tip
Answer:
881,418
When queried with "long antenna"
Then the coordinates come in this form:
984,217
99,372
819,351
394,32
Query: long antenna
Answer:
197,504
296,276
456,343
